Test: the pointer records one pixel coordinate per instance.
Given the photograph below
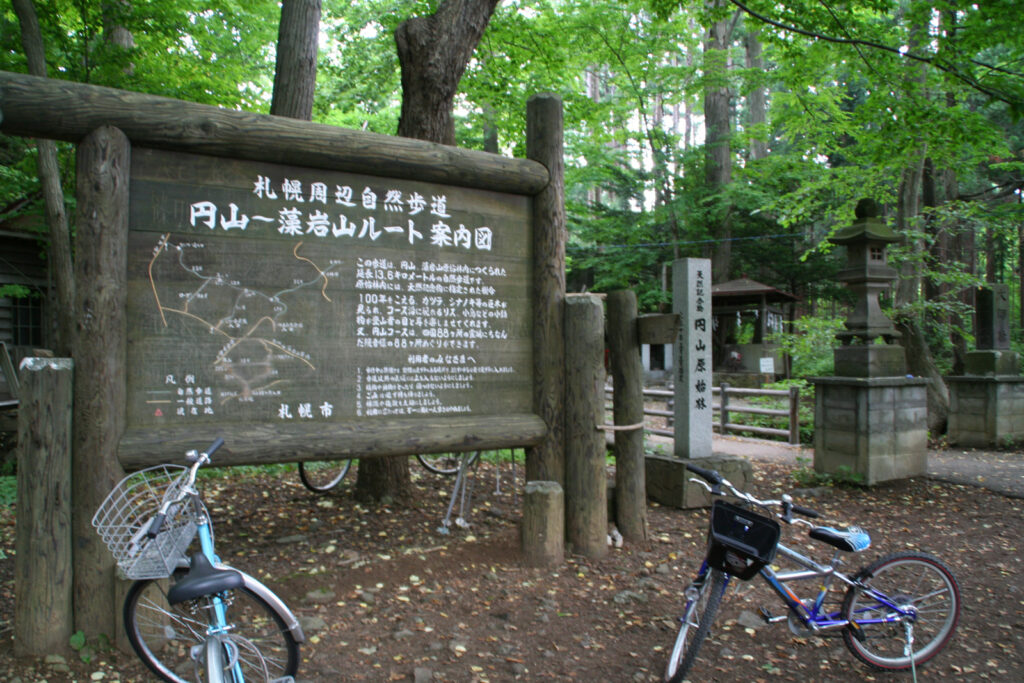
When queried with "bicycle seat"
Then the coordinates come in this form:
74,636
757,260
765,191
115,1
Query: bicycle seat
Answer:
203,579
851,539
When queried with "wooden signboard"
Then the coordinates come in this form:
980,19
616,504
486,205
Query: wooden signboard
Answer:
291,300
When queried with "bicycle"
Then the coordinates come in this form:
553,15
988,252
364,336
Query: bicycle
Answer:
190,617
320,476
898,612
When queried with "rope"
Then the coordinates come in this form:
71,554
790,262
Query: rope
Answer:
621,428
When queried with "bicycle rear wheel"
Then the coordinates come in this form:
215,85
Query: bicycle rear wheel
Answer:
320,476
913,581
703,597
163,636
445,463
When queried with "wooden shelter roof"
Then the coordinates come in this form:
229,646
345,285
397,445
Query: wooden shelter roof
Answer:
747,291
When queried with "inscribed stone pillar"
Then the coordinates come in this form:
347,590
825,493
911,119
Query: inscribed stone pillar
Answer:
691,297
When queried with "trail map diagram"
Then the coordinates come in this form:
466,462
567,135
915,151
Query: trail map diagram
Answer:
249,344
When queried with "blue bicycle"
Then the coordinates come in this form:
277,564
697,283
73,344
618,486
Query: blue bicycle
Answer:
897,613
190,617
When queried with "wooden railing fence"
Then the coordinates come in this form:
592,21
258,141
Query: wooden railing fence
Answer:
727,411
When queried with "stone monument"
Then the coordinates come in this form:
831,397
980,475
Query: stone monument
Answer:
871,418
667,478
986,404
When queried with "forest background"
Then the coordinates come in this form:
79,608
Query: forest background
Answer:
744,132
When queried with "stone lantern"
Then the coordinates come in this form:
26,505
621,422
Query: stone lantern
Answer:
867,274
870,419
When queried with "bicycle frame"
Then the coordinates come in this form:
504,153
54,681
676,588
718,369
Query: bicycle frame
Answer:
810,614
219,624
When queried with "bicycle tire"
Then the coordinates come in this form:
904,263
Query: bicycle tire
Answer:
917,579
320,476
163,635
445,463
697,618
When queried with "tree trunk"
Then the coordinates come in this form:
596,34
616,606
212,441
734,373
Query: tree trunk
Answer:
53,193
921,363
295,75
757,101
433,52
717,147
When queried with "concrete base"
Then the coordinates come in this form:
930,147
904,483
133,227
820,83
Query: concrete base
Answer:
986,411
870,360
877,427
668,480
992,363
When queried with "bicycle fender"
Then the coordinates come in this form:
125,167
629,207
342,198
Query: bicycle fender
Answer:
291,623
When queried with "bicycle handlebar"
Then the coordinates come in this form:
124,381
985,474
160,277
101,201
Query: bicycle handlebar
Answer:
716,482
198,460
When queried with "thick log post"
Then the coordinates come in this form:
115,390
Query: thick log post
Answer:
99,414
545,461
586,508
543,530
43,613
628,410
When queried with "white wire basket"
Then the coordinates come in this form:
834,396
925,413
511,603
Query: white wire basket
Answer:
124,517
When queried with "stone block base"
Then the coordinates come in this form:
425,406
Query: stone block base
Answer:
876,428
668,480
992,363
986,411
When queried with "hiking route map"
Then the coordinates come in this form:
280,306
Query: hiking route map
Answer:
274,294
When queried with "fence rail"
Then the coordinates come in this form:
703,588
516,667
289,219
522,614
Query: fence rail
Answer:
726,411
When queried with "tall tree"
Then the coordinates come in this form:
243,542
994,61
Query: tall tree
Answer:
295,75
433,52
718,134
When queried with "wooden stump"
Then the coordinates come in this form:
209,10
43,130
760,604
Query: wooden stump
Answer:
586,511
43,611
628,409
543,529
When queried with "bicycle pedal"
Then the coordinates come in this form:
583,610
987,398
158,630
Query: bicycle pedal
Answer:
857,631
768,617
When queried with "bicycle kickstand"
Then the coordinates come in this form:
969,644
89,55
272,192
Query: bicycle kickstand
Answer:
459,492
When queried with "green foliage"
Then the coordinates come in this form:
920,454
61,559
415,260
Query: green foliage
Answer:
89,648
8,487
810,345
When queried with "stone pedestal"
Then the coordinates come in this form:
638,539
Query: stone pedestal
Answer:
986,411
873,426
668,480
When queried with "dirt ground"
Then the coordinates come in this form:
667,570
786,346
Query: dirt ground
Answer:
384,597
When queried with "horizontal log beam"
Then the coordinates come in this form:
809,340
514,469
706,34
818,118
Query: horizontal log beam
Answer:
261,444
64,110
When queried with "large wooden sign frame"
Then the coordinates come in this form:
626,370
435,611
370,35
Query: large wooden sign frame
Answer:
308,292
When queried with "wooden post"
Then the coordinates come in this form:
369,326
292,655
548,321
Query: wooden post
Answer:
586,508
546,460
794,415
543,530
99,414
628,409
723,410
43,616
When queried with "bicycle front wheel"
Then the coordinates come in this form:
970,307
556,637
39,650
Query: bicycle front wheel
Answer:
163,636
915,582
320,476
445,463
703,597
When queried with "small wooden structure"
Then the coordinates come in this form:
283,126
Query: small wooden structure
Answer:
738,303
